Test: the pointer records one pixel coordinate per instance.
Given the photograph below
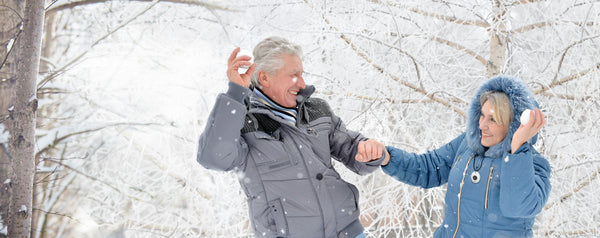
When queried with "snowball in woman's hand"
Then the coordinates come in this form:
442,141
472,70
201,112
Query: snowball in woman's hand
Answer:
525,116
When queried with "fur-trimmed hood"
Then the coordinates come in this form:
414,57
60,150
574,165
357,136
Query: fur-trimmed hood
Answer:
520,98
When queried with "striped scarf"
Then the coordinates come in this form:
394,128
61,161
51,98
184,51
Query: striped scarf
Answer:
289,114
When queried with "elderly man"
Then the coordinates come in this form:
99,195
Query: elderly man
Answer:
268,128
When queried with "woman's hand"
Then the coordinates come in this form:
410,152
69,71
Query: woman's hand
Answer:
529,130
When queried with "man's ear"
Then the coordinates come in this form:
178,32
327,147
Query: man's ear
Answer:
264,79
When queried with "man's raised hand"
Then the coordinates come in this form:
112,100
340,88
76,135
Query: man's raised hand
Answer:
234,63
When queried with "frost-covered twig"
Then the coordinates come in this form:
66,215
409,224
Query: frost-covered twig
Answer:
70,5
569,97
89,48
576,233
568,195
454,99
103,182
566,79
549,23
395,78
64,137
451,19
567,50
459,47
403,82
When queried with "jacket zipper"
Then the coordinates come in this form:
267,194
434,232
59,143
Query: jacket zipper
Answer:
487,189
456,162
462,182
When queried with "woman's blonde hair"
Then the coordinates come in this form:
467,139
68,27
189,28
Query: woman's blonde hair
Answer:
503,112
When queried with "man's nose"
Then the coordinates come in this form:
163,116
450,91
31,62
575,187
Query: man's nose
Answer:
300,82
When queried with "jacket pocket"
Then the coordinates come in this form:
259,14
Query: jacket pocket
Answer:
319,126
269,151
278,215
344,199
268,218
487,189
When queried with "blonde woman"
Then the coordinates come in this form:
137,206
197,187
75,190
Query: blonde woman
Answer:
497,181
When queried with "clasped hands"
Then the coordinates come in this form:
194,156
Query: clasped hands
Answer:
370,150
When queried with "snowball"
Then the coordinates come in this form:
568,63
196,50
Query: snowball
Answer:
525,116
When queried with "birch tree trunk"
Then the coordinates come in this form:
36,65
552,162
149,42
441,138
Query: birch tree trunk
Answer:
10,23
498,39
22,104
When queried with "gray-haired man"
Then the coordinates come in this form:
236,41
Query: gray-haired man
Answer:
267,128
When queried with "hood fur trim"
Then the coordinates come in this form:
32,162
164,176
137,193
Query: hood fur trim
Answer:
520,98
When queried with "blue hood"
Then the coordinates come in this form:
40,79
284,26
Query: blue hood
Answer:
520,97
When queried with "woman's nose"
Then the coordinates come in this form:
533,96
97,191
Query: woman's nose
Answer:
482,125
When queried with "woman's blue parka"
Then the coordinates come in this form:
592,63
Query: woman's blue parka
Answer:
512,189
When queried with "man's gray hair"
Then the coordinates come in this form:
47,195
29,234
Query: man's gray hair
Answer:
268,55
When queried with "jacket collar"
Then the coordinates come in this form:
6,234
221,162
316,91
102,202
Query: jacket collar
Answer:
520,98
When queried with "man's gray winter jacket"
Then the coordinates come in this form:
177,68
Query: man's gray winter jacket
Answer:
286,170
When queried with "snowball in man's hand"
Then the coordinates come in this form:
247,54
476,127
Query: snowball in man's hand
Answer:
242,69
525,116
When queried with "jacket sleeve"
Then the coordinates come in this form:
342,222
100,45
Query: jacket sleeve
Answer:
424,170
524,183
221,146
343,144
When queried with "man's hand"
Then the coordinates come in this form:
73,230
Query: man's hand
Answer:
233,64
369,150
527,131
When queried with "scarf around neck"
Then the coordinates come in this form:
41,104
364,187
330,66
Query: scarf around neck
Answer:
289,114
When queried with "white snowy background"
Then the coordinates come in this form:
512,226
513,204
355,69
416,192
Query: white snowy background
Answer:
130,85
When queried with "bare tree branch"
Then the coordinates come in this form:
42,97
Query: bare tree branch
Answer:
549,23
77,58
576,233
565,53
459,47
563,198
568,97
566,79
439,16
403,82
58,140
390,100
395,78
70,5
102,181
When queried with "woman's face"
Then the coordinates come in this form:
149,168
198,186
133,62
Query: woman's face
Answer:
491,132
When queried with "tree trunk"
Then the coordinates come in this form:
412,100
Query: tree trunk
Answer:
498,43
10,23
22,104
